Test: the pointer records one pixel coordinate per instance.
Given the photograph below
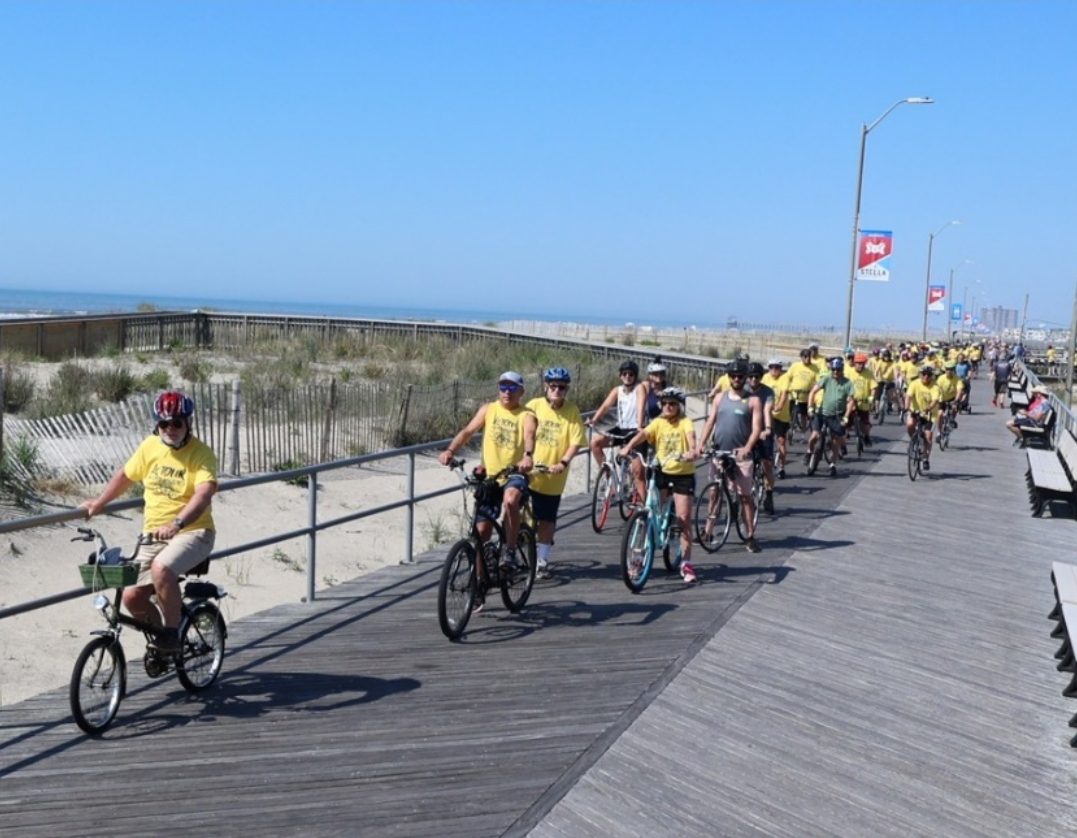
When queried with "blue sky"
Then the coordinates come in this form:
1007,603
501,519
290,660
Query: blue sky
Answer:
693,158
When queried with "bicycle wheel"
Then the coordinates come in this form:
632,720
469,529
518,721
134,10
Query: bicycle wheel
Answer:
878,412
914,456
98,684
202,634
859,440
944,436
516,582
759,489
816,455
672,556
601,497
713,517
637,551
456,590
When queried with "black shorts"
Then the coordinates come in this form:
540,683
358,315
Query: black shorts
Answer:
833,422
679,484
764,449
545,506
618,435
780,428
1000,386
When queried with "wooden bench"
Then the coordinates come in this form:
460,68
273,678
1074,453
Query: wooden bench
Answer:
1039,436
1050,475
1064,580
1017,390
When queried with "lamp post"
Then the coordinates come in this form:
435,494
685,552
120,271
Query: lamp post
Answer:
950,297
927,282
964,311
866,129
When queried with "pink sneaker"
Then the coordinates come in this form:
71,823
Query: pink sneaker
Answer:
687,573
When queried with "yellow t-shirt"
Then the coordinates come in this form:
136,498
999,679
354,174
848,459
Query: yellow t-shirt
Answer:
948,386
884,370
976,354
502,437
921,397
558,430
1051,355
820,365
910,371
723,383
863,386
170,476
779,384
801,378
670,439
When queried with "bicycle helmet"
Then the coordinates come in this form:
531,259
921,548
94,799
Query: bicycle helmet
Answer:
836,363
671,394
775,362
927,369
172,405
738,368
557,374
887,355
755,369
629,366
656,366
860,358
950,365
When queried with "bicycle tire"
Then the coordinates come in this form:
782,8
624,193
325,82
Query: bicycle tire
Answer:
914,457
456,590
601,498
629,499
672,555
637,543
202,637
816,455
944,436
516,583
98,684
720,513
759,489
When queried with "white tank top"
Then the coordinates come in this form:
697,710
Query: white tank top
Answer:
627,408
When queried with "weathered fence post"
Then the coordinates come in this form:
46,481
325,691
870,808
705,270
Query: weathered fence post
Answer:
409,529
327,426
404,415
233,441
1,414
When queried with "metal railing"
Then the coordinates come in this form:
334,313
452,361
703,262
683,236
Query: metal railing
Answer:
313,527
1065,419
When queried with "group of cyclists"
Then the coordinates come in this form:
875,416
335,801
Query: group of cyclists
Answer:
753,413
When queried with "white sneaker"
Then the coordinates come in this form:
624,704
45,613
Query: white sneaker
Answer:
543,571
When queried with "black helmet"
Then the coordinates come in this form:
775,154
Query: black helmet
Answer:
629,366
738,367
755,369
671,394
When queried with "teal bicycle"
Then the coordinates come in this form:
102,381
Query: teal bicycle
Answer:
652,527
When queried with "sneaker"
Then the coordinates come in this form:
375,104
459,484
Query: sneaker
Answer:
687,573
753,546
994,402
781,473
543,571
955,424
833,470
925,466
768,503
167,642
807,459
868,442
635,568
478,603
508,561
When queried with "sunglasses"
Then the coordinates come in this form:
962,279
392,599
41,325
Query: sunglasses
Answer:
628,372
170,423
734,375
508,387
557,386
673,403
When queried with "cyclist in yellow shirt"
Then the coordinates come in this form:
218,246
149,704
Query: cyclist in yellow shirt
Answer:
508,439
863,391
802,376
922,403
951,389
778,381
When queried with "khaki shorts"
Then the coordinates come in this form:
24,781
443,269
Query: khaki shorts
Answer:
179,554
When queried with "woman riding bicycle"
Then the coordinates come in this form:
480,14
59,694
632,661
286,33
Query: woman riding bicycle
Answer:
674,439
179,476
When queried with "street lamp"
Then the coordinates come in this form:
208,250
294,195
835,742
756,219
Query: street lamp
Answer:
966,312
927,282
950,296
866,129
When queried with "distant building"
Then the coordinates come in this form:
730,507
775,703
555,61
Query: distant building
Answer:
998,319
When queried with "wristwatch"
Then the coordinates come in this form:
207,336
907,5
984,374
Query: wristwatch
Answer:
179,522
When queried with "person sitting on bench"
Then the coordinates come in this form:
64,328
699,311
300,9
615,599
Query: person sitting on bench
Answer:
1034,415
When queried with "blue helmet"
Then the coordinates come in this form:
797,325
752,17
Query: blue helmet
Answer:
557,374
172,404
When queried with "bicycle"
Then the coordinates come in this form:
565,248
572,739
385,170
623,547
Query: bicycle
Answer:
917,446
99,678
652,525
718,506
614,484
946,428
460,586
822,450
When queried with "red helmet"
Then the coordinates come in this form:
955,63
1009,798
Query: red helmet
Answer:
172,404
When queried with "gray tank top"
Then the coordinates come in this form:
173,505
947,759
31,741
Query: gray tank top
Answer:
734,424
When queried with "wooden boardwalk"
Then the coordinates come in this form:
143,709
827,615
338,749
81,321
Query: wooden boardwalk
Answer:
852,678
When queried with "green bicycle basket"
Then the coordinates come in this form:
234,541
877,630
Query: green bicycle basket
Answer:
100,577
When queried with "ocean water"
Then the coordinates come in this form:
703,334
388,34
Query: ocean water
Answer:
30,303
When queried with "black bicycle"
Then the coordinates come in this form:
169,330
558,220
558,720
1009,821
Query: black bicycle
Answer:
99,679
918,446
822,450
462,585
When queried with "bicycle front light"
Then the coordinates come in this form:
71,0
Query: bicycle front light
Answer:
100,602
